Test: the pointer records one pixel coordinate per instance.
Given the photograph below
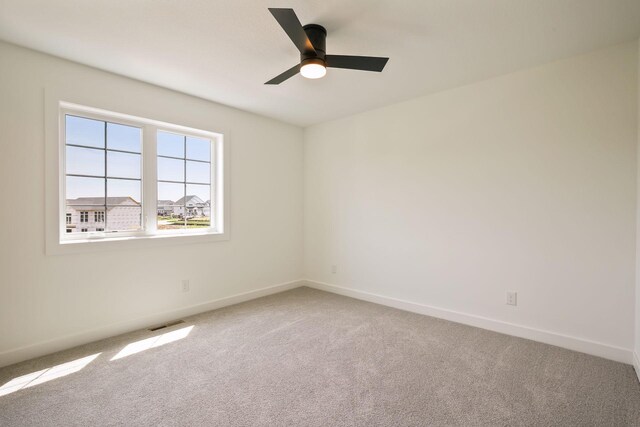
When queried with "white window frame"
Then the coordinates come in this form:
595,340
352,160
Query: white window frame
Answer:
219,183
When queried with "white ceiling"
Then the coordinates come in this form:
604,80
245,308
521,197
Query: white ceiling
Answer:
224,50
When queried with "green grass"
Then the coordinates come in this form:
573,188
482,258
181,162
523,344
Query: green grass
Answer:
191,223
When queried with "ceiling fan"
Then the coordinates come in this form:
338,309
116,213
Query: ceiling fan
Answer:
311,42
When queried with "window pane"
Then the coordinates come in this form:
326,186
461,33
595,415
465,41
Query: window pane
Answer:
170,169
88,191
198,172
87,132
174,222
84,217
169,220
198,206
98,215
170,214
198,149
124,217
199,221
84,161
120,190
170,144
121,137
202,192
169,193
123,165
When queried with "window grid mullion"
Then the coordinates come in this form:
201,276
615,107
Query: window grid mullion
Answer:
182,158
184,200
106,174
180,182
103,149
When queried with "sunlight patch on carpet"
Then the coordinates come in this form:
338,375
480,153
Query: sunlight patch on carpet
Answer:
157,341
44,375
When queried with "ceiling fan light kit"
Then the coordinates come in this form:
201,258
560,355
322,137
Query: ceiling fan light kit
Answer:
311,42
313,68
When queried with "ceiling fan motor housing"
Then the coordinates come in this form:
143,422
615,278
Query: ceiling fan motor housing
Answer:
318,38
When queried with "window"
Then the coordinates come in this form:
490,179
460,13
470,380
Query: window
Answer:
184,181
137,177
103,171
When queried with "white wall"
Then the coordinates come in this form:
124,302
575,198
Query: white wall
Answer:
51,302
524,182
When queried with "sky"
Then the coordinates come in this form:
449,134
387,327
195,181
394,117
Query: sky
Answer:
85,160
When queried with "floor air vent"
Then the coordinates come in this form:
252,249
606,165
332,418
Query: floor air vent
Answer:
166,325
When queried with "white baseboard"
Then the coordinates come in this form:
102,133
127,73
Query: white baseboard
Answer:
68,341
636,364
594,348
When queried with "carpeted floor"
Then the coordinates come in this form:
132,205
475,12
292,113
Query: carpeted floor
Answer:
310,358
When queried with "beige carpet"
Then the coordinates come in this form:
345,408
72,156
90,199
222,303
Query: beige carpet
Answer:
310,358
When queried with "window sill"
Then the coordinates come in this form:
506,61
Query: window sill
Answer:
99,244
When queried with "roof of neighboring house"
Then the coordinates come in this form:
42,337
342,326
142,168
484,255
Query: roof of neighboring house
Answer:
165,203
96,202
190,200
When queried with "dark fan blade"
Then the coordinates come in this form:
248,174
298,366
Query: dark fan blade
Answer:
291,25
365,63
284,76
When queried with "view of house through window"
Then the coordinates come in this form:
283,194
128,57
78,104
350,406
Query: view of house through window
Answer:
184,181
103,163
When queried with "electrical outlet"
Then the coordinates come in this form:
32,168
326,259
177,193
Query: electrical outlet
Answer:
512,298
334,269
185,285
